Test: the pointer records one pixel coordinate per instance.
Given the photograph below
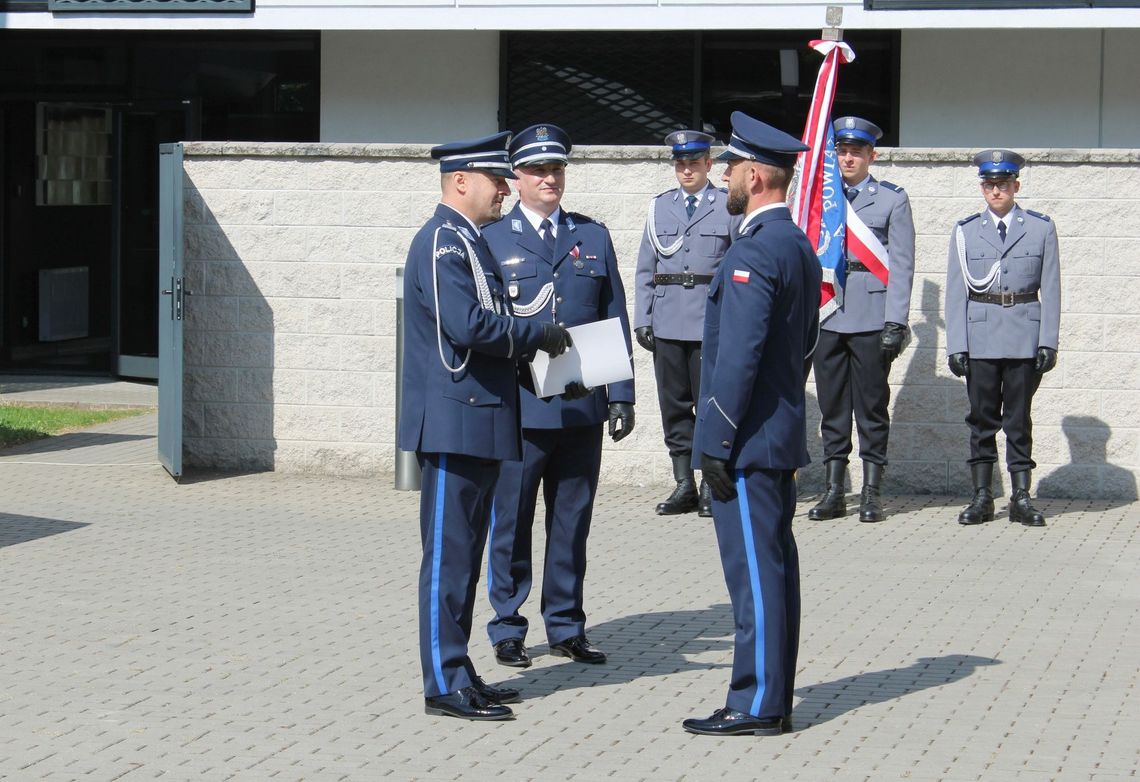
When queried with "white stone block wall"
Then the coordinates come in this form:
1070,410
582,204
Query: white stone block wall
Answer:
292,252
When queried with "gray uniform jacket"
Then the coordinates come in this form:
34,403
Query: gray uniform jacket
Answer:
867,303
676,312
1029,262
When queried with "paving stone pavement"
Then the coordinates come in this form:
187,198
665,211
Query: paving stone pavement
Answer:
264,627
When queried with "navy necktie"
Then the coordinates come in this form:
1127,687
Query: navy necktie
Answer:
547,235
691,205
1001,230
852,193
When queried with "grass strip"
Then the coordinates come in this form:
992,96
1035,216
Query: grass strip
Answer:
22,424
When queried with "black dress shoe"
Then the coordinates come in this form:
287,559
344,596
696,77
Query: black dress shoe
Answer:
704,506
579,650
728,722
496,694
467,704
512,653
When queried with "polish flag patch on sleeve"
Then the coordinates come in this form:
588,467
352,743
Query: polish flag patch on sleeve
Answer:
740,275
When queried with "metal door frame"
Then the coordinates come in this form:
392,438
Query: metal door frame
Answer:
171,307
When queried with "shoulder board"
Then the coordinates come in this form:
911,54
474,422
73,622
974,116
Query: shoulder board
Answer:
581,219
965,220
1038,215
723,190
890,185
668,192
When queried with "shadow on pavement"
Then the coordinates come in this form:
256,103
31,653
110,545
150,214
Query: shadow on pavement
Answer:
68,442
638,646
15,528
826,701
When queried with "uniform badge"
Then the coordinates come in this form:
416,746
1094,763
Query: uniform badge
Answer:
681,138
516,226
513,290
996,156
579,263
542,133
850,123
591,257
741,275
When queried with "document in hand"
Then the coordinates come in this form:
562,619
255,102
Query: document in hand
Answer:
597,357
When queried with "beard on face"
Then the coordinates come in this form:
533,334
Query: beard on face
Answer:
737,200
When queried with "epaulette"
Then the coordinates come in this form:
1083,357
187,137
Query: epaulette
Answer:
581,218
1038,215
890,185
965,220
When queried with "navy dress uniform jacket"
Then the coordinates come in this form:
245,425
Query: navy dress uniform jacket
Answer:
584,287
763,311
475,411
1030,263
867,303
673,311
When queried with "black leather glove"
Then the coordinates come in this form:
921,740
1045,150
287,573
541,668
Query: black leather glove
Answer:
715,473
575,390
892,340
644,336
959,364
1046,360
555,339
621,412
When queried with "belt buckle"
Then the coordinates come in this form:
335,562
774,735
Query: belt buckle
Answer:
1007,300
687,280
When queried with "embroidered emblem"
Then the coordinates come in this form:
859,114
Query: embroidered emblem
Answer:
516,226
449,248
741,275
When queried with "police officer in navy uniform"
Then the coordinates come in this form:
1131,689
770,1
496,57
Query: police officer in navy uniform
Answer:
687,232
858,342
459,410
761,323
1003,314
558,267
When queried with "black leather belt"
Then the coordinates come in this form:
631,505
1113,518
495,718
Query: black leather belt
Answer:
687,279
855,266
1004,299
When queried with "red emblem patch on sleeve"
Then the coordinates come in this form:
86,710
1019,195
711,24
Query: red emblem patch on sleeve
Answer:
740,275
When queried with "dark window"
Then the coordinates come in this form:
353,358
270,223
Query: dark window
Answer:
244,86
633,88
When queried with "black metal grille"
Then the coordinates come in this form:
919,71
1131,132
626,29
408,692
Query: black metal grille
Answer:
613,88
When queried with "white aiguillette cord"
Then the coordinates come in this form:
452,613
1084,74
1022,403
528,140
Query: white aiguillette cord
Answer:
975,284
481,289
651,232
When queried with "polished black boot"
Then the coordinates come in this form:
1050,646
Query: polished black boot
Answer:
834,502
704,506
870,506
1020,507
684,498
981,508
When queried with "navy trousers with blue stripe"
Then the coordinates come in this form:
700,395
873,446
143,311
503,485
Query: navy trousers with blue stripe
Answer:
762,571
566,463
455,504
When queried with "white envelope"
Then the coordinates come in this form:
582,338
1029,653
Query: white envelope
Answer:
597,357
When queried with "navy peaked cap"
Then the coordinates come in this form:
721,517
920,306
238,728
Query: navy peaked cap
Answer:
538,144
689,144
997,163
487,154
856,130
756,140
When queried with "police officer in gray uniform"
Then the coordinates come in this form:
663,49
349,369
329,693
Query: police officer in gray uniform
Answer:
686,233
858,342
1003,314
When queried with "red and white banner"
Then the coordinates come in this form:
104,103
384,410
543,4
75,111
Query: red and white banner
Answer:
819,195
865,247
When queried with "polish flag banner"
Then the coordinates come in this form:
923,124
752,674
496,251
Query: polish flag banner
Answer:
865,247
819,207
740,275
